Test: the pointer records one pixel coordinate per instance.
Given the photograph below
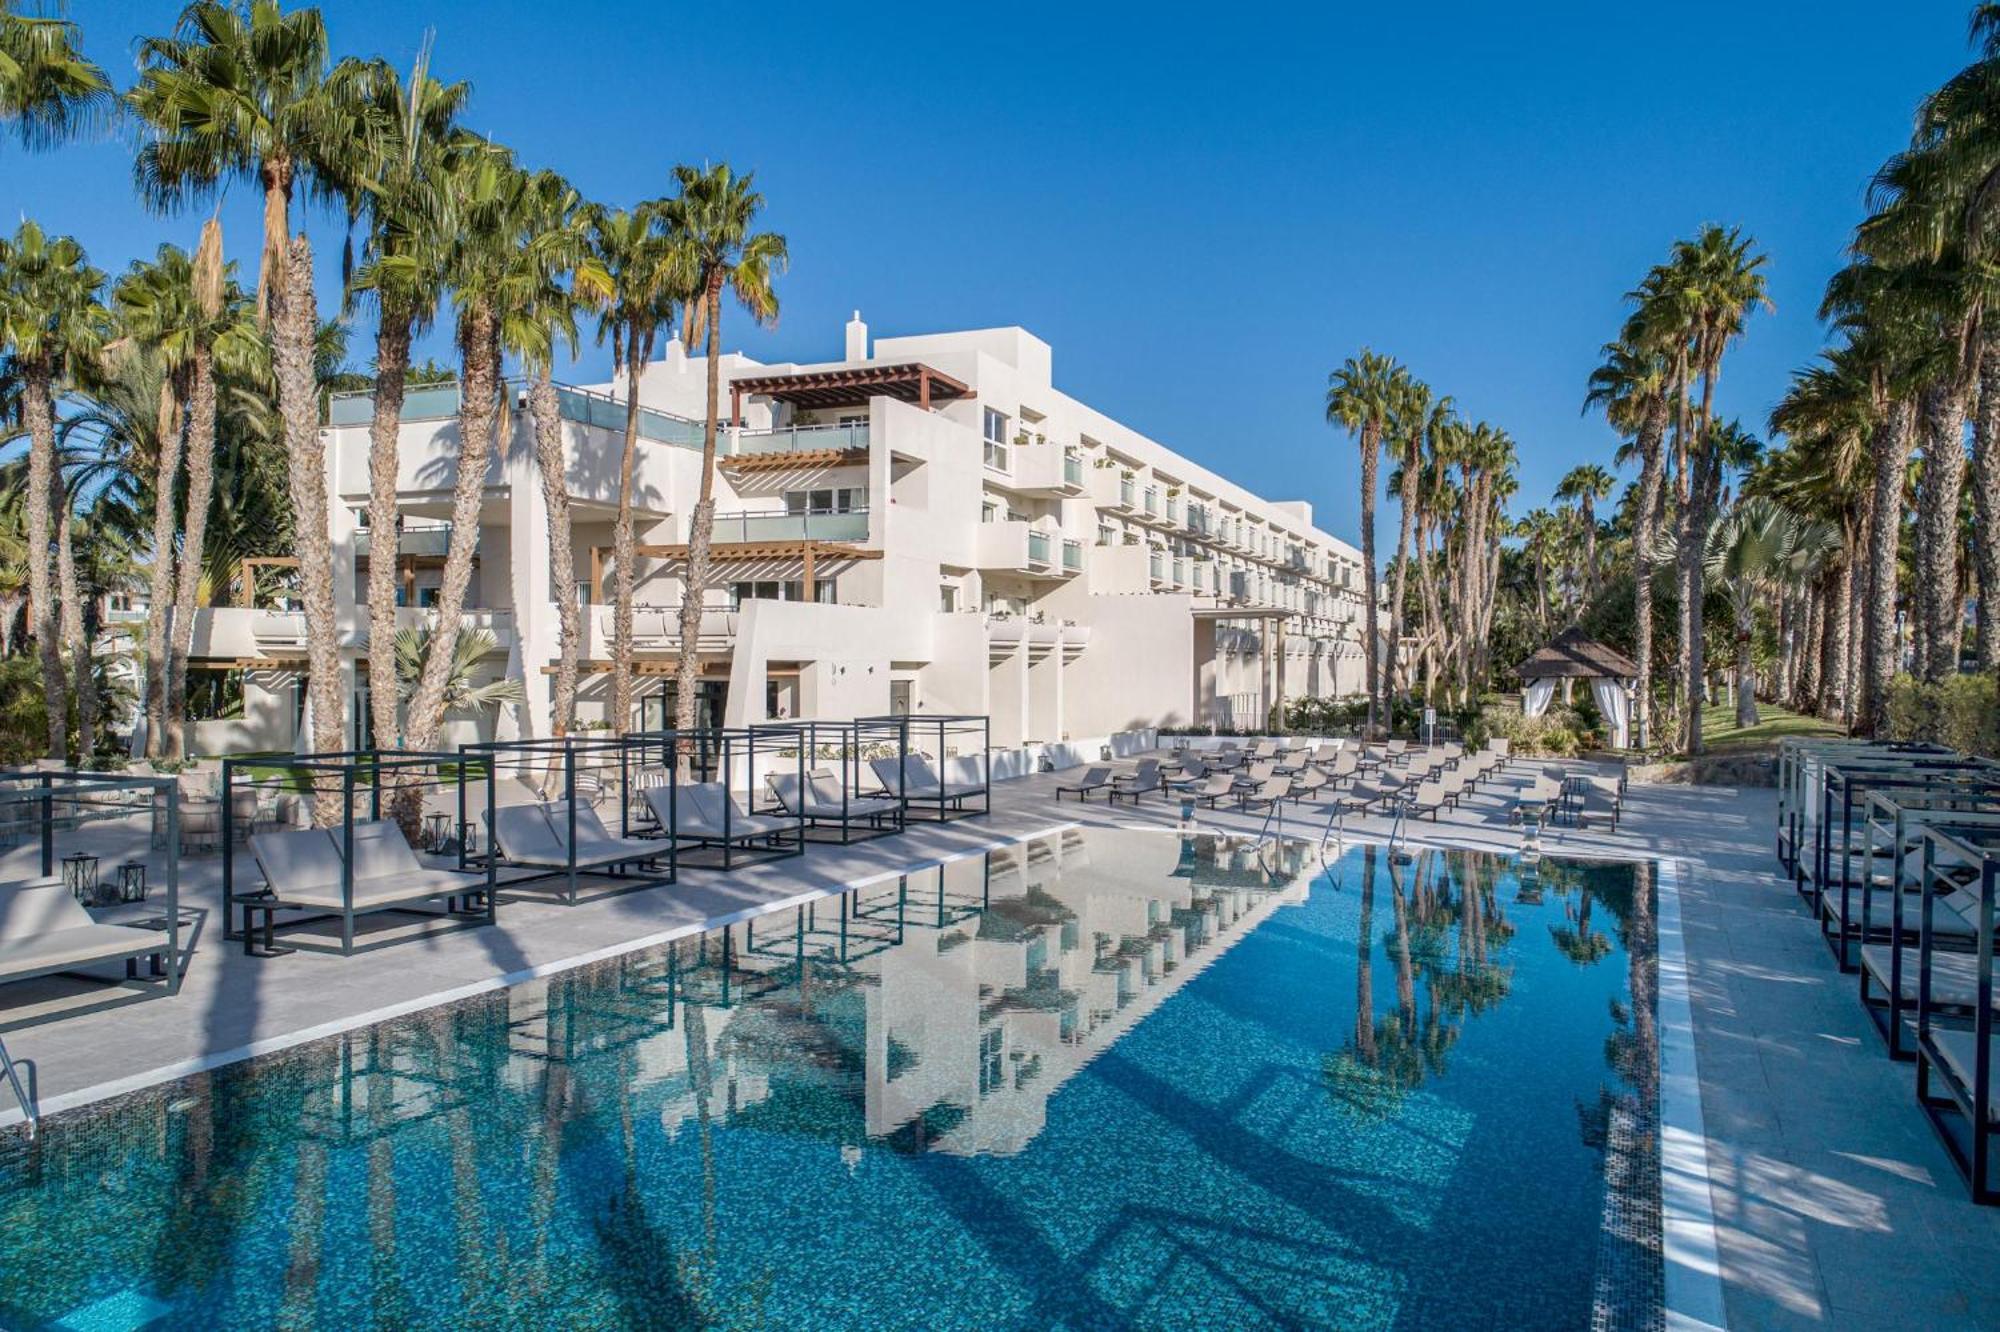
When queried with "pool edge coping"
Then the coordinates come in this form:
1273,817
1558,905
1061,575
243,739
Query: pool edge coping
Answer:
187,1068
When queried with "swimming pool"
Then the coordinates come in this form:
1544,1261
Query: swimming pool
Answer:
1095,1079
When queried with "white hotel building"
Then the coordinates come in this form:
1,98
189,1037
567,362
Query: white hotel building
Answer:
926,524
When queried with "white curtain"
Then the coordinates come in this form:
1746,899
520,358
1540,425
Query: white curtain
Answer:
1536,700
1616,705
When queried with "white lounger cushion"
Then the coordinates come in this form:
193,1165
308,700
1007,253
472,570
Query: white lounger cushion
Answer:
595,843
526,837
304,868
42,928
698,813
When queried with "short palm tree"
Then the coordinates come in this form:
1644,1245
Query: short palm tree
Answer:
712,221
1749,551
414,647
241,91
54,326
47,89
1586,486
1362,397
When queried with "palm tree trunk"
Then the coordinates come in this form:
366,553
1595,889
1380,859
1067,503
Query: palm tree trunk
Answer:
547,412
1986,505
1890,446
1937,521
1746,673
701,525
38,409
625,546
295,325
74,637
479,404
1833,637
1652,434
166,482
1409,506
385,553
1805,689
194,537
1589,506
1371,650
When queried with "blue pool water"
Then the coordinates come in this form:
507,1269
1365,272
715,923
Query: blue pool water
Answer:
1103,1080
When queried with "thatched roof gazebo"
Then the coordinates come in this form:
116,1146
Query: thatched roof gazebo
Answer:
1576,656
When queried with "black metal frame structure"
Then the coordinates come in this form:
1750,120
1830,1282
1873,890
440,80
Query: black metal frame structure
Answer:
342,775
1962,1116
720,755
71,799
909,732
598,756
848,747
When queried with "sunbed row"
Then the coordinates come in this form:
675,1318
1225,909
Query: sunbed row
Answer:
1896,850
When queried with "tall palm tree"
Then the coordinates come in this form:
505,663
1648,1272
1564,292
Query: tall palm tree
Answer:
487,190
241,91
1423,416
1631,388
712,221
1586,486
48,90
405,226
54,326
647,281
1362,397
561,277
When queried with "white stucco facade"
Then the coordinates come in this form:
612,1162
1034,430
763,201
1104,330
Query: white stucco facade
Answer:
978,542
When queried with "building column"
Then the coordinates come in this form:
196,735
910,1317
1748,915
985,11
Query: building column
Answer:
536,625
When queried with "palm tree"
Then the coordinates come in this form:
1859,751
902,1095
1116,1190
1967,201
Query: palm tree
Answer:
647,280
1749,550
413,647
241,91
712,222
561,277
406,240
1585,486
1631,388
487,192
1362,397
53,325
48,90
1422,417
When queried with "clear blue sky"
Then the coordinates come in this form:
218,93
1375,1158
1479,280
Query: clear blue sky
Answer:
1203,213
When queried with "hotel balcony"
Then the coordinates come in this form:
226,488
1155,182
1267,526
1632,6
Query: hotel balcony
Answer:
794,446
657,629
1006,632
849,525
1048,468
1016,547
1112,492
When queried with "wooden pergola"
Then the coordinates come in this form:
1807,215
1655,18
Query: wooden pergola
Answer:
810,554
820,389
247,573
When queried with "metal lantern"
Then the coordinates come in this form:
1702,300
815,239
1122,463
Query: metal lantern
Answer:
79,875
132,881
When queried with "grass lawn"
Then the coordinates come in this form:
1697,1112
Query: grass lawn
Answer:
1718,727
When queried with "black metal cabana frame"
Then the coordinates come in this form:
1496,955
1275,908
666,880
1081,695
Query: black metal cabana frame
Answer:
552,766
69,799
922,735
341,775
720,754
1962,1116
845,745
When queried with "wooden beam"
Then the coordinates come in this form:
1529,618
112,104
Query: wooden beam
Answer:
924,388
597,575
808,573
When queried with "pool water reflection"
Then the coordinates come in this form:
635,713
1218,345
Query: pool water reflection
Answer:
1102,1079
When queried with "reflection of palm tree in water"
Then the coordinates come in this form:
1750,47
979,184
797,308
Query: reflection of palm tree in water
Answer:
1578,942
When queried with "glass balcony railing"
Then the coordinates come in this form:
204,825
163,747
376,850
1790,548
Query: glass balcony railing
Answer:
803,439
1180,572
1072,555
851,525
1038,547
439,402
432,541
1072,470
1158,567
1125,493
1152,503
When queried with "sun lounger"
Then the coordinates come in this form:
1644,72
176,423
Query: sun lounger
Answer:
919,781
820,799
1216,787
304,869
1428,798
538,835
708,812
1134,784
44,930
1268,793
1096,779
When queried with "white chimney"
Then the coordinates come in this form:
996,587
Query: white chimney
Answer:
857,338
676,357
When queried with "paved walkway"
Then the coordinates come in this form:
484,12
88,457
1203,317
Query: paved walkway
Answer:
1835,1206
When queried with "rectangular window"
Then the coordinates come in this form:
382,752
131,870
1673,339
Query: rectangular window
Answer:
996,440
947,598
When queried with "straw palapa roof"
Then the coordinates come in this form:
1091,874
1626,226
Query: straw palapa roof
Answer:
1575,656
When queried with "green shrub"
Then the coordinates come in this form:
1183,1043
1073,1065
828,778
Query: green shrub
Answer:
1557,733
1960,712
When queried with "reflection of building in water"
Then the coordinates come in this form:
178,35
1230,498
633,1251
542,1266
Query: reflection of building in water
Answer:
916,1016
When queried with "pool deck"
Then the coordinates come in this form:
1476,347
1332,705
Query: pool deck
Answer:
1834,1205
